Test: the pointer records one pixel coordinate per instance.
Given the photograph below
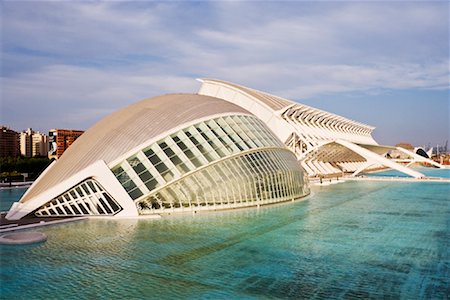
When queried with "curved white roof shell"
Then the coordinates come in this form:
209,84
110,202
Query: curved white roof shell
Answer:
128,128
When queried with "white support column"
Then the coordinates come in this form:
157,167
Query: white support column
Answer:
418,158
371,156
363,167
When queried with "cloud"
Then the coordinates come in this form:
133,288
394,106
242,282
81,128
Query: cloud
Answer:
70,96
79,61
326,79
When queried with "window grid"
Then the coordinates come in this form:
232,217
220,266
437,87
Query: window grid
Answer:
212,140
228,166
250,179
239,132
184,151
80,201
224,138
243,130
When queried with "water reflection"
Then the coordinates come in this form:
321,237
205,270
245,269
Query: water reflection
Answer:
355,239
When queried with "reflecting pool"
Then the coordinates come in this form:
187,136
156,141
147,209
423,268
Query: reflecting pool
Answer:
348,240
10,195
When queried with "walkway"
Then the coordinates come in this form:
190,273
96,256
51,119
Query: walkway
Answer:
385,178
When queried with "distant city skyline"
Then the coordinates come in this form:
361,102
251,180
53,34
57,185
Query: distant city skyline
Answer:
386,64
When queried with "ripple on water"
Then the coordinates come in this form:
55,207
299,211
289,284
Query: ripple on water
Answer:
352,240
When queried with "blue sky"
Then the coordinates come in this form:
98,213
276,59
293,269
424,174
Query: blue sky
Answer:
68,64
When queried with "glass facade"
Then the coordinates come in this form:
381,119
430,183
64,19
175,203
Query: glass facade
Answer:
255,178
225,161
87,198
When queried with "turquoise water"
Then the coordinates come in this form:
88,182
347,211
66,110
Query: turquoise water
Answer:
431,172
10,195
349,240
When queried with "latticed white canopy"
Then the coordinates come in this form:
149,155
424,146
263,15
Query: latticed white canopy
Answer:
314,135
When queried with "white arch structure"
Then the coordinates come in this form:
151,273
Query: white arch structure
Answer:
324,142
169,154
418,158
328,152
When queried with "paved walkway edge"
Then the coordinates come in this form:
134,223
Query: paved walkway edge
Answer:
41,224
405,179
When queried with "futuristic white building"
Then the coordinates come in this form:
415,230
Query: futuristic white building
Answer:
168,154
325,143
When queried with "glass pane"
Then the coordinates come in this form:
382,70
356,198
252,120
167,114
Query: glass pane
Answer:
195,161
92,186
152,184
85,189
168,175
145,176
169,152
161,168
192,138
136,193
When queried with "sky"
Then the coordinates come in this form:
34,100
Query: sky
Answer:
386,64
